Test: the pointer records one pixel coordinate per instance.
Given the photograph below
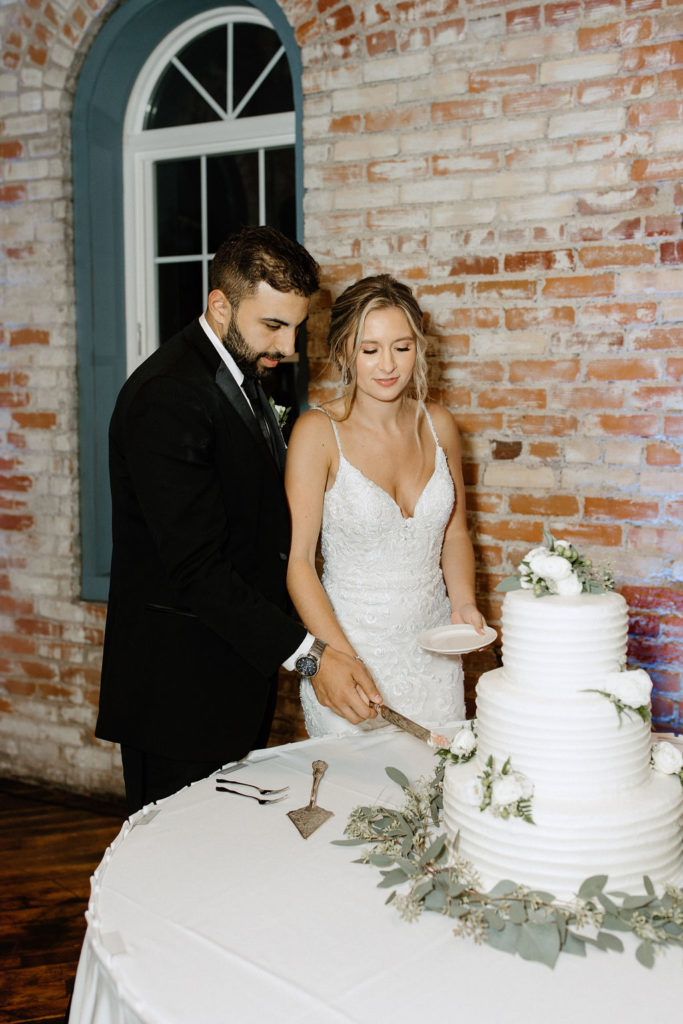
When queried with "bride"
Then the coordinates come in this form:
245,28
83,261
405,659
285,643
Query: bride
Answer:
378,471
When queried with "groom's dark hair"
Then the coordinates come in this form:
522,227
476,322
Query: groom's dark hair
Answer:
257,254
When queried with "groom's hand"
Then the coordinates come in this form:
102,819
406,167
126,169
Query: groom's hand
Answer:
343,684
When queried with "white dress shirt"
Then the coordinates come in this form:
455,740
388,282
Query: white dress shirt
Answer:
305,646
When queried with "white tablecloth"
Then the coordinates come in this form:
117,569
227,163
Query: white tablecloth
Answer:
210,908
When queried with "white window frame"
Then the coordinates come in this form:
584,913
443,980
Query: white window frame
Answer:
143,148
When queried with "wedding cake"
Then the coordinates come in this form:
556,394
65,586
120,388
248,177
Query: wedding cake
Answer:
555,781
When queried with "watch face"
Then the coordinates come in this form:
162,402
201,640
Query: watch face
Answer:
307,666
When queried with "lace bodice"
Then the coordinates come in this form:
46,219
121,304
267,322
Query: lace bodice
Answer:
382,574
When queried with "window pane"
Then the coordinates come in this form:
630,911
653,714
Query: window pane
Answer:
280,190
232,194
253,47
179,229
174,101
206,59
180,296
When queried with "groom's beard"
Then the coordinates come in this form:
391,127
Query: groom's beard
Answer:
244,355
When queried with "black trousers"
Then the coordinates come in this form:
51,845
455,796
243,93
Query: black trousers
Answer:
149,777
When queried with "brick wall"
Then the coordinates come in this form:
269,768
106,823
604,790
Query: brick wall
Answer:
521,166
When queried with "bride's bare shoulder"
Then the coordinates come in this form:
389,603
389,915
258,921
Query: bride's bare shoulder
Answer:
313,427
444,422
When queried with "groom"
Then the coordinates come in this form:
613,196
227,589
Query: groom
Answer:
199,619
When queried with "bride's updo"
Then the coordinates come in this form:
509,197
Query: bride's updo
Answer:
348,320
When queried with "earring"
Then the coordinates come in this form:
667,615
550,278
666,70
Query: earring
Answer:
346,376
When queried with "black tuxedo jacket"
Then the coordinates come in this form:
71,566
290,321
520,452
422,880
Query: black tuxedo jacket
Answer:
199,618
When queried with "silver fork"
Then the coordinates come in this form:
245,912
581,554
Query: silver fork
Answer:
263,792
250,796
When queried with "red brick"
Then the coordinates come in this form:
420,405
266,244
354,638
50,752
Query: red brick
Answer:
346,124
637,425
541,369
563,13
396,119
528,423
653,58
654,112
579,286
15,483
507,529
521,318
553,505
35,420
657,397
462,110
619,33
477,423
498,398
621,369
658,168
545,450
524,19
505,289
659,338
562,259
20,687
473,265
581,534
12,193
666,600
15,522
674,368
671,252
29,336
38,670
620,508
380,42
10,150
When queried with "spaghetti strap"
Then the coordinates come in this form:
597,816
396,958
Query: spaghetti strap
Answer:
431,426
334,427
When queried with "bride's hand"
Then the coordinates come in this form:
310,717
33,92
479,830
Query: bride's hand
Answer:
344,685
470,615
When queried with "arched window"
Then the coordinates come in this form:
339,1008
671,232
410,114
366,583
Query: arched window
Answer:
186,126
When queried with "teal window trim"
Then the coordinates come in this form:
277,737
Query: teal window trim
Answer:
109,72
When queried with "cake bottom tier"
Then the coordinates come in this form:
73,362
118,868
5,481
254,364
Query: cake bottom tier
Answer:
639,833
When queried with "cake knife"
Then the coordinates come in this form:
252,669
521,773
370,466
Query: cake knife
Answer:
395,718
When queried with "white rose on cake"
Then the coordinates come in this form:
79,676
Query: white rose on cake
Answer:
463,742
666,758
472,792
570,586
506,790
632,688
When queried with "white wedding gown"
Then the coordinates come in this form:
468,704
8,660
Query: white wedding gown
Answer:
383,577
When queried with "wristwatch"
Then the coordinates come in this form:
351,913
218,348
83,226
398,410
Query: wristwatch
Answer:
308,664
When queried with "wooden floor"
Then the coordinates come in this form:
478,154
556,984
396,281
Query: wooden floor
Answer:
50,843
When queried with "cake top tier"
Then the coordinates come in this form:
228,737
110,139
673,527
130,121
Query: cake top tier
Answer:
563,640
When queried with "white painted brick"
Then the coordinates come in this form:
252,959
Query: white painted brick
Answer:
580,450
623,452
581,176
629,144
452,137
599,477
403,67
672,309
580,69
365,147
30,102
633,282
519,129
443,86
669,139
370,97
661,480
507,183
25,170
512,474
435,191
512,343
531,48
583,122
361,197
9,105
542,209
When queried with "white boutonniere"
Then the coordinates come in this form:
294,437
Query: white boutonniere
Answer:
281,412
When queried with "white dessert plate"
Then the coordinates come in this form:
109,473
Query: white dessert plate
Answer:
456,639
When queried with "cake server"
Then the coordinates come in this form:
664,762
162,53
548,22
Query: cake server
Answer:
308,819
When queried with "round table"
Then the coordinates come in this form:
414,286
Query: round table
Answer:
210,908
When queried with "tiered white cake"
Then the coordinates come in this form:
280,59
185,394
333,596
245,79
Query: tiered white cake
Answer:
598,806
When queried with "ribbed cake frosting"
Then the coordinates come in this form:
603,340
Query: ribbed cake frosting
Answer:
598,806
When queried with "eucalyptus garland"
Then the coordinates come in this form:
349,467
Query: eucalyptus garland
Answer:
410,852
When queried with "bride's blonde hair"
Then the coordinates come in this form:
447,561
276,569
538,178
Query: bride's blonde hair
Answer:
348,320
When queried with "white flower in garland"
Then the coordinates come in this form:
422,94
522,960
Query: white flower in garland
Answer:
557,568
667,758
463,746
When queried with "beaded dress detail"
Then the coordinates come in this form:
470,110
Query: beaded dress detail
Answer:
383,577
